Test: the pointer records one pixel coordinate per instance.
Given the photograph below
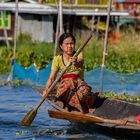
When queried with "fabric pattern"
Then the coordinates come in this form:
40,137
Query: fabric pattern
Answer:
75,93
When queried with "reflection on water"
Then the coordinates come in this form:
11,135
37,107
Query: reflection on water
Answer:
15,102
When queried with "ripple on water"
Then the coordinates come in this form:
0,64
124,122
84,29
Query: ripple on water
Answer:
15,102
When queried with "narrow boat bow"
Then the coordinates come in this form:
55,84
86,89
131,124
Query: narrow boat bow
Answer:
111,114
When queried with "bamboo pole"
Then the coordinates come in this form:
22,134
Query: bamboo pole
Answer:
105,45
106,33
56,35
92,23
57,29
16,27
97,27
61,16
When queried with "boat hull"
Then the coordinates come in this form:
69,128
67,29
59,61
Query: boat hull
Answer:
111,116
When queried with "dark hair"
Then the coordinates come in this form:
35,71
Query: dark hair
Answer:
63,37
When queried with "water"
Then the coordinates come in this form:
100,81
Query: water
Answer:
15,102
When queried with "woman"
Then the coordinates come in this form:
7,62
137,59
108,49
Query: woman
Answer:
72,90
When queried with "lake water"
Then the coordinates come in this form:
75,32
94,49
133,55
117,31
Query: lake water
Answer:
15,102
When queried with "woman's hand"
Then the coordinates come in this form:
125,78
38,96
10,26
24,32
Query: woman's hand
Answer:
77,63
44,93
73,60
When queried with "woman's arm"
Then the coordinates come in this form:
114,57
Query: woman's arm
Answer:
50,81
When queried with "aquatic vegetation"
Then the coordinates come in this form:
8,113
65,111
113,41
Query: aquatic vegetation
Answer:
122,57
122,96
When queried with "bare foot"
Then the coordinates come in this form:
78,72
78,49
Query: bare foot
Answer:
66,108
59,103
91,110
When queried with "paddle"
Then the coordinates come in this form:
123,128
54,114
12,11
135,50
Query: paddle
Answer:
27,120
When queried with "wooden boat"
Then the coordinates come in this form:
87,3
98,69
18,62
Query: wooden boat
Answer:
111,115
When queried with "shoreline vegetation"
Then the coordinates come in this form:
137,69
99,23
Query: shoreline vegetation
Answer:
121,56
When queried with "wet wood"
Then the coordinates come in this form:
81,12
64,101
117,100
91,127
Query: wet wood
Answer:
87,118
110,113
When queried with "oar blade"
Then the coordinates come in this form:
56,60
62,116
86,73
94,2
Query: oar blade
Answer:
27,120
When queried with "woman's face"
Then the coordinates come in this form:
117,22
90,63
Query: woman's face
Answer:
68,46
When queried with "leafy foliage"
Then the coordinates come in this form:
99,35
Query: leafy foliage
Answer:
122,57
5,55
123,97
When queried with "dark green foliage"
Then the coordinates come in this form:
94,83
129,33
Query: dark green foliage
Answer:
123,96
27,53
37,53
5,55
122,57
123,64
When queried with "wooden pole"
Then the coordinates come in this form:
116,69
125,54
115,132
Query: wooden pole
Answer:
106,33
97,27
92,23
57,35
61,16
57,29
16,27
105,44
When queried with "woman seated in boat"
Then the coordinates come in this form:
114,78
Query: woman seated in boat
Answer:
72,90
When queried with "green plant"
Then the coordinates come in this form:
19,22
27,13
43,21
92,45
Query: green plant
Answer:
121,97
122,57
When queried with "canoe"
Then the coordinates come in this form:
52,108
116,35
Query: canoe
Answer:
111,115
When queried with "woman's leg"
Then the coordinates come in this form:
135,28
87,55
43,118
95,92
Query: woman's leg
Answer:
86,97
